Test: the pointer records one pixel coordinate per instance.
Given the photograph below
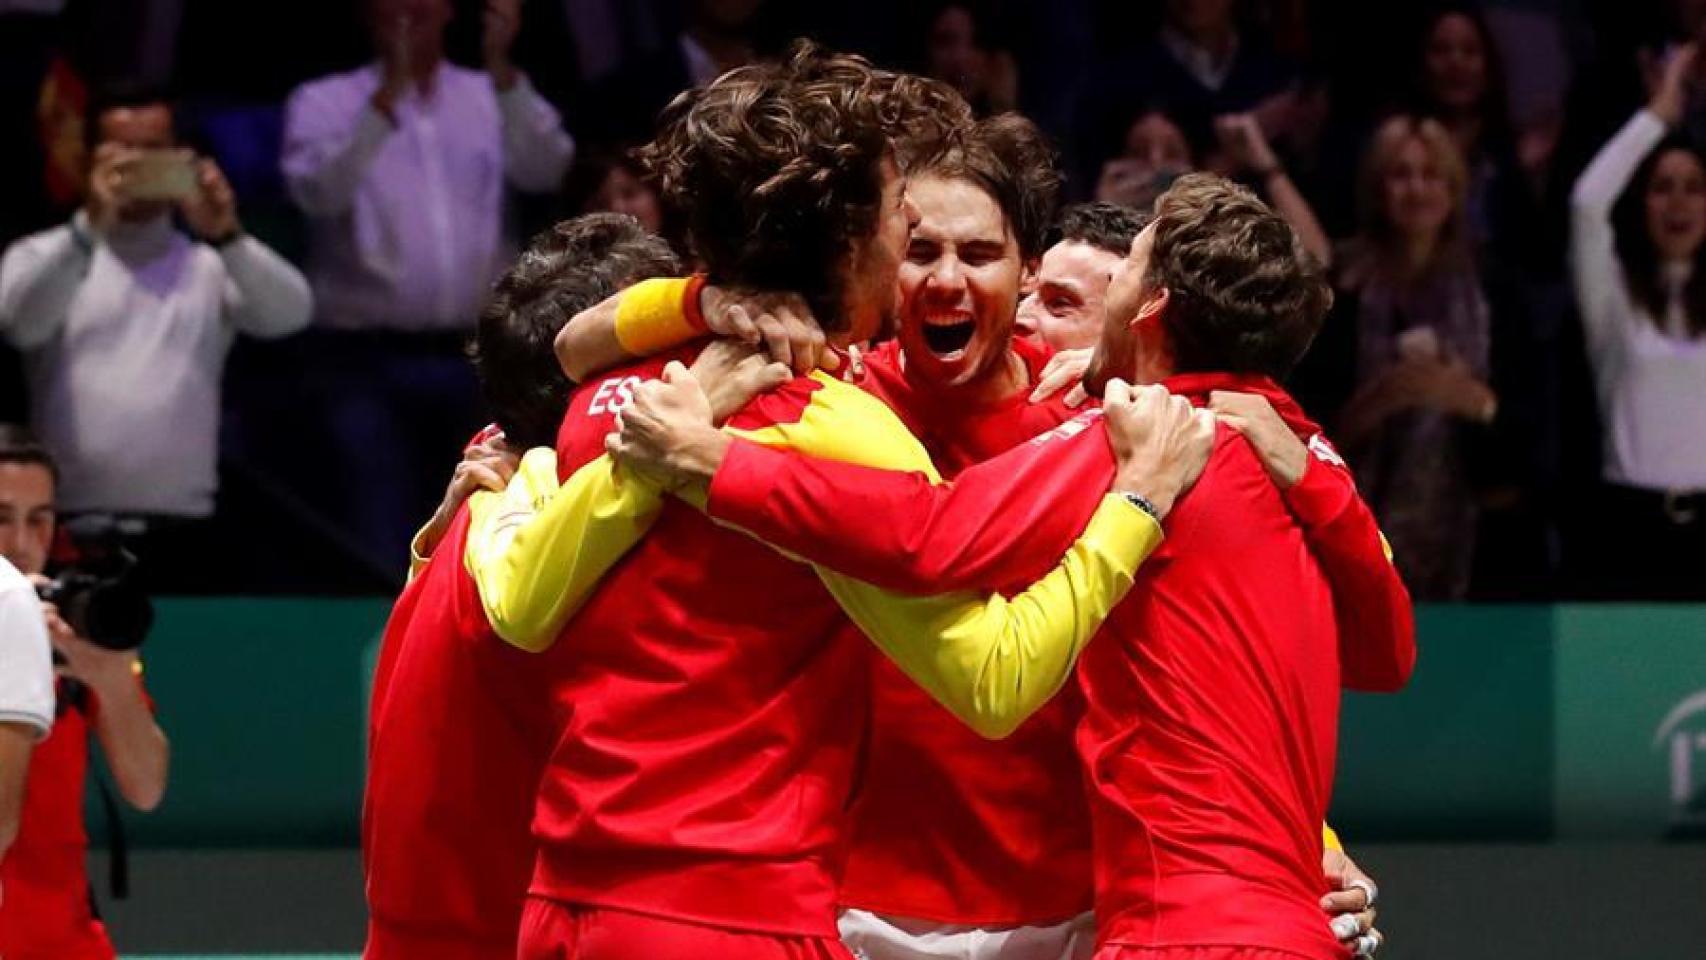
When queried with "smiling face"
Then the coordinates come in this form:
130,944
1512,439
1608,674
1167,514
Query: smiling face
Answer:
1417,192
1676,205
1064,308
959,283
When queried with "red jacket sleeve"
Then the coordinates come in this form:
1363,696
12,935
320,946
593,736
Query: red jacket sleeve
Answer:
1377,629
1002,523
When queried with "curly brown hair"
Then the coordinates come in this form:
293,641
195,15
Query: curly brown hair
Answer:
773,172
1010,159
1245,296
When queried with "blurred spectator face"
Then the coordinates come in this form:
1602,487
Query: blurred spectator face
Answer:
147,127
412,27
622,192
1417,193
1196,18
26,515
1156,154
1676,205
1064,308
1456,63
954,55
1157,141
959,283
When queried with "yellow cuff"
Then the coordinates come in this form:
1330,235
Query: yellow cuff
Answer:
1124,531
1330,839
652,316
419,556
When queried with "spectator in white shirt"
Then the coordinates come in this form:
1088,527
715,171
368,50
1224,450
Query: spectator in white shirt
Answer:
124,319
401,167
1638,258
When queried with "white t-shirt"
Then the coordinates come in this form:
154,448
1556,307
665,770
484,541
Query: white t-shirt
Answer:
26,662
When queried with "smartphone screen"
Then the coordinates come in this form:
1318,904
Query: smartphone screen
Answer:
163,175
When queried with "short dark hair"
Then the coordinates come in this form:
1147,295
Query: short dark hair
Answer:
119,94
19,445
1103,225
1009,158
1245,296
569,268
773,170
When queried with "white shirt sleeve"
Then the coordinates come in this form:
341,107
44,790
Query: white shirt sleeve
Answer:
39,276
1594,267
331,135
26,663
264,295
536,148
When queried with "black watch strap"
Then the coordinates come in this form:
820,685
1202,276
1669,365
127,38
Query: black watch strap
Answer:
1141,502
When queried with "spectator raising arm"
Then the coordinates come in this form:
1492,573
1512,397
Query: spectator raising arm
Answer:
536,149
1241,134
1598,276
331,135
264,295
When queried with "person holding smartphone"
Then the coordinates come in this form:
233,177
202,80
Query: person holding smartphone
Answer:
125,314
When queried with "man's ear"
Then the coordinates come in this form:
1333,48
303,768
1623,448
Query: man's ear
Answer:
1153,307
1028,276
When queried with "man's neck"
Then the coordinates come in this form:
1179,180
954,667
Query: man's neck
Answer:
1151,369
1005,379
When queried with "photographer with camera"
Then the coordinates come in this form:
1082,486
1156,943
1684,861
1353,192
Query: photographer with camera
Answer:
45,911
125,315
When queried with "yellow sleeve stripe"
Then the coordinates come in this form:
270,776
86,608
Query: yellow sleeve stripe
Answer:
650,316
843,422
1330,839
991,661
538,550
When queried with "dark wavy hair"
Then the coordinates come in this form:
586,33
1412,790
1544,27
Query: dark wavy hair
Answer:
1244,294
1010,159
1103,225
774,171
569,268
1643,270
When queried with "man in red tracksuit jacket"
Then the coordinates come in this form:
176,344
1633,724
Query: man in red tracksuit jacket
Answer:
1209,737
461,721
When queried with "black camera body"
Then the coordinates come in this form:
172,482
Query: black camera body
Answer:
98,594
109,610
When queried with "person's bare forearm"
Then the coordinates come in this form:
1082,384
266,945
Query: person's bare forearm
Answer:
588,344
136,748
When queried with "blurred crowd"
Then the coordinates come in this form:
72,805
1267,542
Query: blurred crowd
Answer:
246,243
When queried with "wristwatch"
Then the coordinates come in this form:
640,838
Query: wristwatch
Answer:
1141,502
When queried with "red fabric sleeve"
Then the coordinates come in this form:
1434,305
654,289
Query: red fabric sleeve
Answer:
1377,628
1002,523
